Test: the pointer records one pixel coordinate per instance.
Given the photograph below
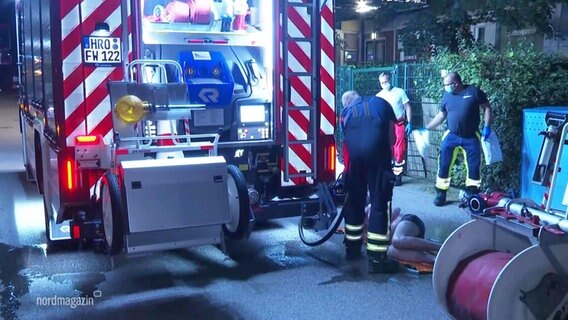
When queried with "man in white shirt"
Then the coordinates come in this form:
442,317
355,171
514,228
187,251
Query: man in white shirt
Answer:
400,104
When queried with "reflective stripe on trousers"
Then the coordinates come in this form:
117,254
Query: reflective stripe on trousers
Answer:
450,147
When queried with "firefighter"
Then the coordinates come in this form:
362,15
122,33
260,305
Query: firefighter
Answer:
368,136
403,112
460,105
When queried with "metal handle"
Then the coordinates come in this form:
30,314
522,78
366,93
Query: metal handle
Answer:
158,63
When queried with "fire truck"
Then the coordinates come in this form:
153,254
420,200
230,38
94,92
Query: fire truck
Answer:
152,125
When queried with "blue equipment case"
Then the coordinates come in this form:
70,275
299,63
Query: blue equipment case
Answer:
208,78
533,124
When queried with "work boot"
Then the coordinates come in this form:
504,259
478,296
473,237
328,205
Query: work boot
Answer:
440,199
471,190
398,180
353,250
383,264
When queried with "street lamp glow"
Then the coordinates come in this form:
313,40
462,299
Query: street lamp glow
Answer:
363,7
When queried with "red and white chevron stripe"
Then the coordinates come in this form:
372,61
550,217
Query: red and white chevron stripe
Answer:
86,100
327,70
300,60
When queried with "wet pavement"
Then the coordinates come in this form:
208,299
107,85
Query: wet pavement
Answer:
272,275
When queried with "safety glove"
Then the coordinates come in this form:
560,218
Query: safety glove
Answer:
486,132
408,129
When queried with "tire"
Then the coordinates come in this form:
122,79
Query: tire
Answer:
239,205
111,213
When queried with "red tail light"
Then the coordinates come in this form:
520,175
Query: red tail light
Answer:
331,158
76,232
70,174
88,140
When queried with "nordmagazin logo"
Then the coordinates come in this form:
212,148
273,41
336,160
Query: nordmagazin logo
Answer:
71,302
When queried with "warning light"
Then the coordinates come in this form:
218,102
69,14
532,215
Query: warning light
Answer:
94,139
69,170
76,232
130,109
331,161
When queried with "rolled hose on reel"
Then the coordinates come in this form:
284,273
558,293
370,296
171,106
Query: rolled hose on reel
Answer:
471,283
192,11
484,271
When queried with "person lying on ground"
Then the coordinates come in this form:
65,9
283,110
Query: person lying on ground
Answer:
408,244
407,239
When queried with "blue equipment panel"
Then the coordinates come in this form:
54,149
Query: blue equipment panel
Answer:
533,124
209,80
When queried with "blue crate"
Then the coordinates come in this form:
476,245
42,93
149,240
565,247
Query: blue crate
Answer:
533,124
209,80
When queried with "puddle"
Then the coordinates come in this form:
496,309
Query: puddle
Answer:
288,255
84,283
13,281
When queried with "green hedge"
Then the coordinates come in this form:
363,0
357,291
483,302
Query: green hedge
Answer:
517,78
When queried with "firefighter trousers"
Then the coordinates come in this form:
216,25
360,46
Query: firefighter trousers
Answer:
399,148
379,181
450,147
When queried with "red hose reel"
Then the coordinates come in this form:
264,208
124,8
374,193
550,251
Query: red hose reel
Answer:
471,283
492,268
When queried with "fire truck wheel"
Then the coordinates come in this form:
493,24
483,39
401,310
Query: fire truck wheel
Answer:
111,209
239,204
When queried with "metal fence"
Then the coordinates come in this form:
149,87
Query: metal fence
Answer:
411,78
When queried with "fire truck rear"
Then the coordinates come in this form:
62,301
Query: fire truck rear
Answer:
155,124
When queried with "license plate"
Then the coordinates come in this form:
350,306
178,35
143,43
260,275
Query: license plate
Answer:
102,51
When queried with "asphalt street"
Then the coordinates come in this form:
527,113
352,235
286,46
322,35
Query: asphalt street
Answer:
272,275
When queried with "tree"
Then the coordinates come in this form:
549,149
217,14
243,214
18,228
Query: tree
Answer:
446,23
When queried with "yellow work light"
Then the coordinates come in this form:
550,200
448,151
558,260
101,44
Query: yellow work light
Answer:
130,109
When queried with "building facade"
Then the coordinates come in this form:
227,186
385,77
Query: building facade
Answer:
363,42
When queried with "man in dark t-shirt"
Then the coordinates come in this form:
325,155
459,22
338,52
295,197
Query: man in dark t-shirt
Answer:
368,133
460,106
